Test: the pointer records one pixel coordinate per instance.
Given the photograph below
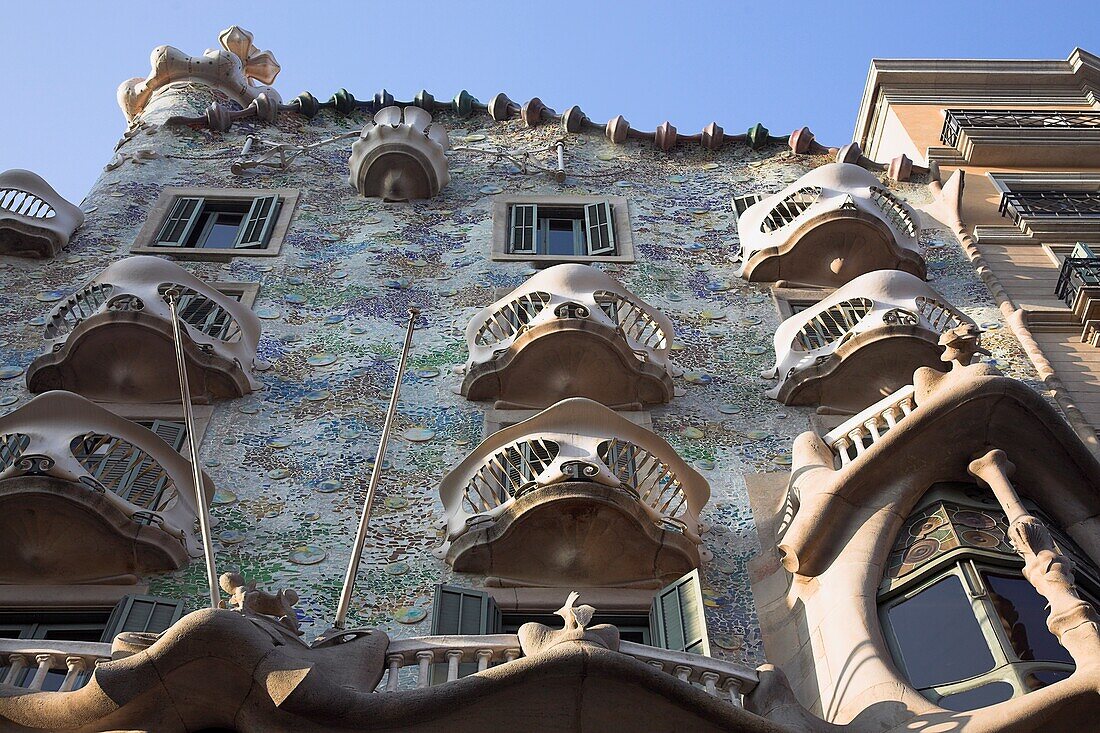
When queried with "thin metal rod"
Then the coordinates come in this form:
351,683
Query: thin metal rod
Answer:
375,474
196,472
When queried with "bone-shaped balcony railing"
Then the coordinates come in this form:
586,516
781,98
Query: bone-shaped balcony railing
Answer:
876,300
212,319
570,291
65,436
34,219
576,440
868,227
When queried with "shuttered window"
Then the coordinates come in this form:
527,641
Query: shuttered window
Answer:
145,483
677,617
148,614
257,224
567,231
601,234
180,222
524,226
463,611
219,223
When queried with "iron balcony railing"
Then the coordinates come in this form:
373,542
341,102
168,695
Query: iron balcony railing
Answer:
1022,205
955,120
1077,272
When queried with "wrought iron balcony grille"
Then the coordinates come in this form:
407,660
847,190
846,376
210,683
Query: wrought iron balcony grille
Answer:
955,120
1077,272
1022,205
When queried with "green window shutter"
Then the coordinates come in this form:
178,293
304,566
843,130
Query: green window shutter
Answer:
112,467
180,222
676,617
598,225
150,614
463,611
257,224
523,228
146,482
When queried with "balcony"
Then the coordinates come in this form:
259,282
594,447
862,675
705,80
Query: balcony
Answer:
862,342
832,225
569,331
574,495
1023,137
111,340
89,497
35,221
192,678
401,156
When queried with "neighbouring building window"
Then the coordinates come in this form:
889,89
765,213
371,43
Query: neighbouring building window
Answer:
150,614
216,222
562,229
963,624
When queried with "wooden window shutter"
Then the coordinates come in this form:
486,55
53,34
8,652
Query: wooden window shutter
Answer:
598,226
523,228
180,222
463,611
676,617
257,224
145,482
150,614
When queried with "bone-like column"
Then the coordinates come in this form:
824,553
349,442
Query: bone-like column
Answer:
1072,619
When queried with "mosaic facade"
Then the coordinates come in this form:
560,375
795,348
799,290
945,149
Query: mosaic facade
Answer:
291,462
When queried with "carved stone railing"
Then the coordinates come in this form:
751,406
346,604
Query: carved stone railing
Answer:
577,452
543,341
35,221
120,500
852,437
835,223
125,311
718,677
864,340
39,664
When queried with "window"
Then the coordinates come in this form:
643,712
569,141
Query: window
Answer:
562,229
789,301
964,626
132,613
673,620
204,223
125,469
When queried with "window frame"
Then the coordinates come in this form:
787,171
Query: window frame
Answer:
620,236
163,208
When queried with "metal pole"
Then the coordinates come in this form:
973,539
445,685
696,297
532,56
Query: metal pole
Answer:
196,473
375,474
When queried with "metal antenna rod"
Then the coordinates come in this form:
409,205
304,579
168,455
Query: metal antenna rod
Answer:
375,474
189,418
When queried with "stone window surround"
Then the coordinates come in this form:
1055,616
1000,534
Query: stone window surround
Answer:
783,298
165,411
143,243
624,241
248,290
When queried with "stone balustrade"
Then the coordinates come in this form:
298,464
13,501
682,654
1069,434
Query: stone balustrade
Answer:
718,677
855,435
39,664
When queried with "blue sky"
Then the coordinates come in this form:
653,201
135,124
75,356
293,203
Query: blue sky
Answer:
784,64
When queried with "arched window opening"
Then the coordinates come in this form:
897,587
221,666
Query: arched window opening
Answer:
963,624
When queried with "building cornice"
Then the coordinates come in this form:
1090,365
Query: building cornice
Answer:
975,81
